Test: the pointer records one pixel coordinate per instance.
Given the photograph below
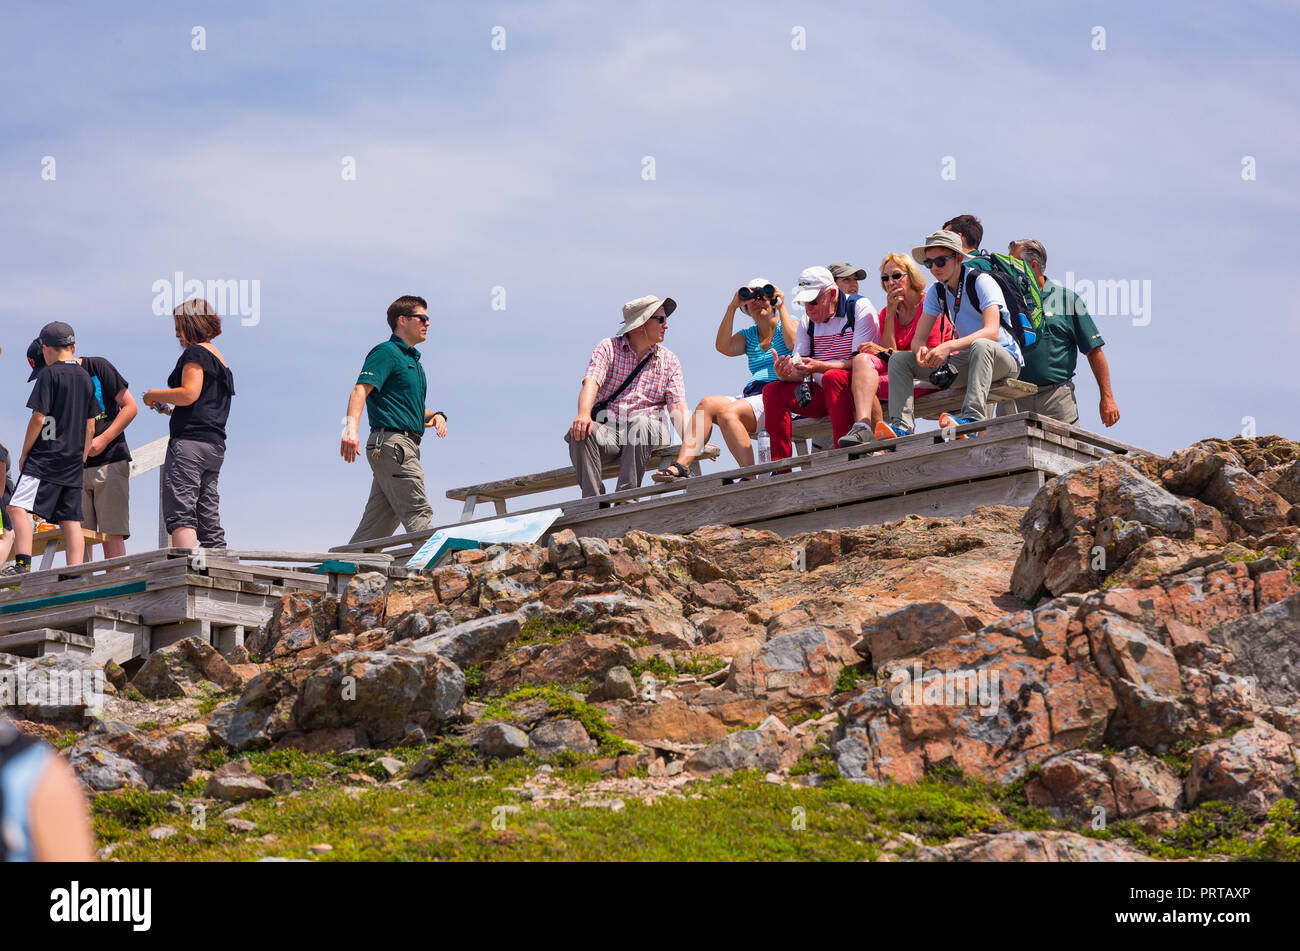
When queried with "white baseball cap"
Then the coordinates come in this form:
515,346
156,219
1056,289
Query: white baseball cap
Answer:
812,281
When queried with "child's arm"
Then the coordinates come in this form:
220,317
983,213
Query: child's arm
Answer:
33,430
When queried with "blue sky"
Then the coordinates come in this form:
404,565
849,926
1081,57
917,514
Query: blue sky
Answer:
522,169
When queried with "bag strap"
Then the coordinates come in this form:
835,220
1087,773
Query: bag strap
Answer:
624,385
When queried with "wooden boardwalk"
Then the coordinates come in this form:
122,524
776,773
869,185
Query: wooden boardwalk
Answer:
1006,463
123,608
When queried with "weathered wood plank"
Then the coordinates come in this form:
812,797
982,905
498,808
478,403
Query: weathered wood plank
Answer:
551,479
949,501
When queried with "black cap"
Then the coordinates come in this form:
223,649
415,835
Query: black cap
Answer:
36,357
57,334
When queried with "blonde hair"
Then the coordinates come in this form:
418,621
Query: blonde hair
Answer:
915,276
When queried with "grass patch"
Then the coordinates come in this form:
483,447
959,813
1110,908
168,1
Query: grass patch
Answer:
550,629
473,680
848,679
656,665
559,702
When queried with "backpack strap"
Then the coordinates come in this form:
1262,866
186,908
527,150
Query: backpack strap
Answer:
599,407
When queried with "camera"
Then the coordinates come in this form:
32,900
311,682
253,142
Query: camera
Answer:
803,394
749,293
944,375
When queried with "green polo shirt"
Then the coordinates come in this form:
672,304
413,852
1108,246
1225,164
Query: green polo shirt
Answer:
397,400
1067,332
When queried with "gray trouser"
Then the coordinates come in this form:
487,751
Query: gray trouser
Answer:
978,369
632,446
1053,399
189,494
397,489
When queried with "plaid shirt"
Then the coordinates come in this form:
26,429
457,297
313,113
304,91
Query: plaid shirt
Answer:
657,386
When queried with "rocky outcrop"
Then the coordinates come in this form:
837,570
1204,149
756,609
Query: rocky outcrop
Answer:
1126,647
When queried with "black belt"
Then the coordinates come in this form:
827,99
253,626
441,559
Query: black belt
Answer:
404,432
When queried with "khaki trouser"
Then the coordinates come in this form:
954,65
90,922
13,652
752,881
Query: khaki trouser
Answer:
978,369
106,499
397,490
1054,399
631,444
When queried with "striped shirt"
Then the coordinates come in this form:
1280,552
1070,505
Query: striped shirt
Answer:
657,386
832,340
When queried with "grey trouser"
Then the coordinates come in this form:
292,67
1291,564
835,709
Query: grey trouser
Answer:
189,497
640,437
978,369
1054,399
397,489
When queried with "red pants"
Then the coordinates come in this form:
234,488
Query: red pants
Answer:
833,398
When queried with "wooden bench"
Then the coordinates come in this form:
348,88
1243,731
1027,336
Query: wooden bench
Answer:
497,492
930,406
51,541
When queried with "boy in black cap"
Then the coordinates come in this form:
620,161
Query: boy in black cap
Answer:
54,449
105,487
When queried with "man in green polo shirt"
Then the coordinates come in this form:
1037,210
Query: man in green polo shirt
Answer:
1067,331
392,386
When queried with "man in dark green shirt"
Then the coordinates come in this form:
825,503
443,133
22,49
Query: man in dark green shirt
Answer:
392,385
1067,331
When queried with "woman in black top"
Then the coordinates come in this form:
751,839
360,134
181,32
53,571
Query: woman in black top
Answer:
200,388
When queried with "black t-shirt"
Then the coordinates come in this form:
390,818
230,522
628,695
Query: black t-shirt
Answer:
203,420
64,395
108,383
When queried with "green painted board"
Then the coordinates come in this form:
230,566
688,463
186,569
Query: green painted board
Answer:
76,597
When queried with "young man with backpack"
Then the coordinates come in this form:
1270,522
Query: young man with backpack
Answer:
984,350
817,380
631,380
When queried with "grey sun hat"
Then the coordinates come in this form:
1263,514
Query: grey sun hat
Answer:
637,312
842,269
948,240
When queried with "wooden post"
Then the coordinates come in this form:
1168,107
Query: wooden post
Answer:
145,459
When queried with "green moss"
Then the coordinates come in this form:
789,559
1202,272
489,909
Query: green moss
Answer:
64,740
550,629
133,694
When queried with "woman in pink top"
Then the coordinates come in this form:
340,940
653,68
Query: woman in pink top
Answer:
904,285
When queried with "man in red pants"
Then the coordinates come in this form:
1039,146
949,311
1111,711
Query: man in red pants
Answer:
816,379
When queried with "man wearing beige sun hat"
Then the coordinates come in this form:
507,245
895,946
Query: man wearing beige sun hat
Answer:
632,382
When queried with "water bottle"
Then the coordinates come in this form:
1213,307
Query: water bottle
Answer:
763,450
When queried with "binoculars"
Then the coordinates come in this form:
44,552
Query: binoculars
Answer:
749,293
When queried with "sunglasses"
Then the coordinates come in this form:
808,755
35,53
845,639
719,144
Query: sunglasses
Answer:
940,261
886,278
422,318
662,320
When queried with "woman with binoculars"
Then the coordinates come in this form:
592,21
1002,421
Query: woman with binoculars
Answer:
738,417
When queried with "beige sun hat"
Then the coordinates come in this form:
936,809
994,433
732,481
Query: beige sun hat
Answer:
636,312
949,240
